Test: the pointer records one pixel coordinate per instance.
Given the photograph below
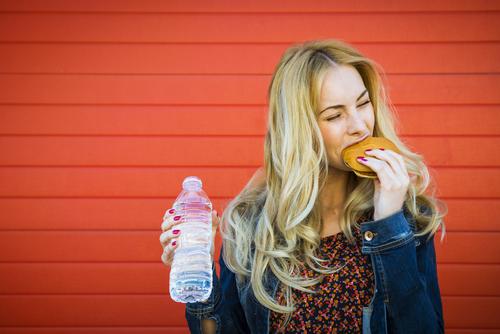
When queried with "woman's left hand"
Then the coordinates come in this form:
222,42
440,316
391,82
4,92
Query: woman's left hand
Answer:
392,183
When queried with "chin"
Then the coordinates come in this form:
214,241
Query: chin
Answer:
339,168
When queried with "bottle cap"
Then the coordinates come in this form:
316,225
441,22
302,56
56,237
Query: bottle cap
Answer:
192,183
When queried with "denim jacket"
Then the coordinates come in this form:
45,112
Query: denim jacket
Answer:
406,296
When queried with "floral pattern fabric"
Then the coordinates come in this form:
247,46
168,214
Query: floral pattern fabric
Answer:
337,305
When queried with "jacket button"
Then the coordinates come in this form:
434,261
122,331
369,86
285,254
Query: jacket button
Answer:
368,235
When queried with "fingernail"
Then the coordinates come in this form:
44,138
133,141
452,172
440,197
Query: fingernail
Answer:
368,150
171,211
174,243
176,218
381,149
361,158
175,231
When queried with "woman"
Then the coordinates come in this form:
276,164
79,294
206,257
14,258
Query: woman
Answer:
308,246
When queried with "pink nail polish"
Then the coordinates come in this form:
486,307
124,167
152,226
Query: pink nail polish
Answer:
175,231
368,150
382,149
176,218
171,211
174,243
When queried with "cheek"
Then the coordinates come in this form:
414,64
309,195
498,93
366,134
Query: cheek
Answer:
370,118
332,137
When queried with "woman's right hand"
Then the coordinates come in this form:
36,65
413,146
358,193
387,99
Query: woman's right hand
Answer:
168,238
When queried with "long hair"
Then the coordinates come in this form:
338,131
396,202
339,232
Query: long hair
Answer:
275,223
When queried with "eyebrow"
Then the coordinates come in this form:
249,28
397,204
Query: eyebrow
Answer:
339,105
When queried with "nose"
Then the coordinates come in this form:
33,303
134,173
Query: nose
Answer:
356,124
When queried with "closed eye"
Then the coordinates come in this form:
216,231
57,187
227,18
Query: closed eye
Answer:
338,115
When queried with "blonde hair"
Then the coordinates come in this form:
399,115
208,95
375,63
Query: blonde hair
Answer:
275,223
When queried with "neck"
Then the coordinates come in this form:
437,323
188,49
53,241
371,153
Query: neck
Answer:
333,195
332,199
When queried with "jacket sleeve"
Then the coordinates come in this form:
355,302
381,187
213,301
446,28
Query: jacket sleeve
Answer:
223,305
408,274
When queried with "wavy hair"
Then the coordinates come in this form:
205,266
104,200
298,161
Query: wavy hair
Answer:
274,223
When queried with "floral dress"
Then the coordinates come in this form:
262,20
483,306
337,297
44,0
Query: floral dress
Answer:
337,305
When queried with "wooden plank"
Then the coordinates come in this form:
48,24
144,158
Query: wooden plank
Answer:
457,151
150,182
472,215
91,310
157,59
133,120
443,120
468,248
122,182
119,214
224,89
150,120
465,182
153,278
471,312
211,151
186,120
119,151
454,277
228,6
249,27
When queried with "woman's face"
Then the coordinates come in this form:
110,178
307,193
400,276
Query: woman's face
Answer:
346,113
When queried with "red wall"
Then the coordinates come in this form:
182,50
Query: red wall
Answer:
106,105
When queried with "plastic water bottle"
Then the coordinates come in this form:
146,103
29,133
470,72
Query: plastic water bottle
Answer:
191,269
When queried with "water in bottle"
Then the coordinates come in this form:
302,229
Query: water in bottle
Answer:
191,269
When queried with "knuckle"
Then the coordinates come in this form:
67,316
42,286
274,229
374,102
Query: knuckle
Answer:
165,237
170,224
165,225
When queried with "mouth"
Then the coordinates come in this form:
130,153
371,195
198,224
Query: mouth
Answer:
366,136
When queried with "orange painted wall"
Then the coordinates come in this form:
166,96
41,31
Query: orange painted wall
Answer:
106,105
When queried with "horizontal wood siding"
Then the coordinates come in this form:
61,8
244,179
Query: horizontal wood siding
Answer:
105,106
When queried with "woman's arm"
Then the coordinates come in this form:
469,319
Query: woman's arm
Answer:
407,272
222,309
